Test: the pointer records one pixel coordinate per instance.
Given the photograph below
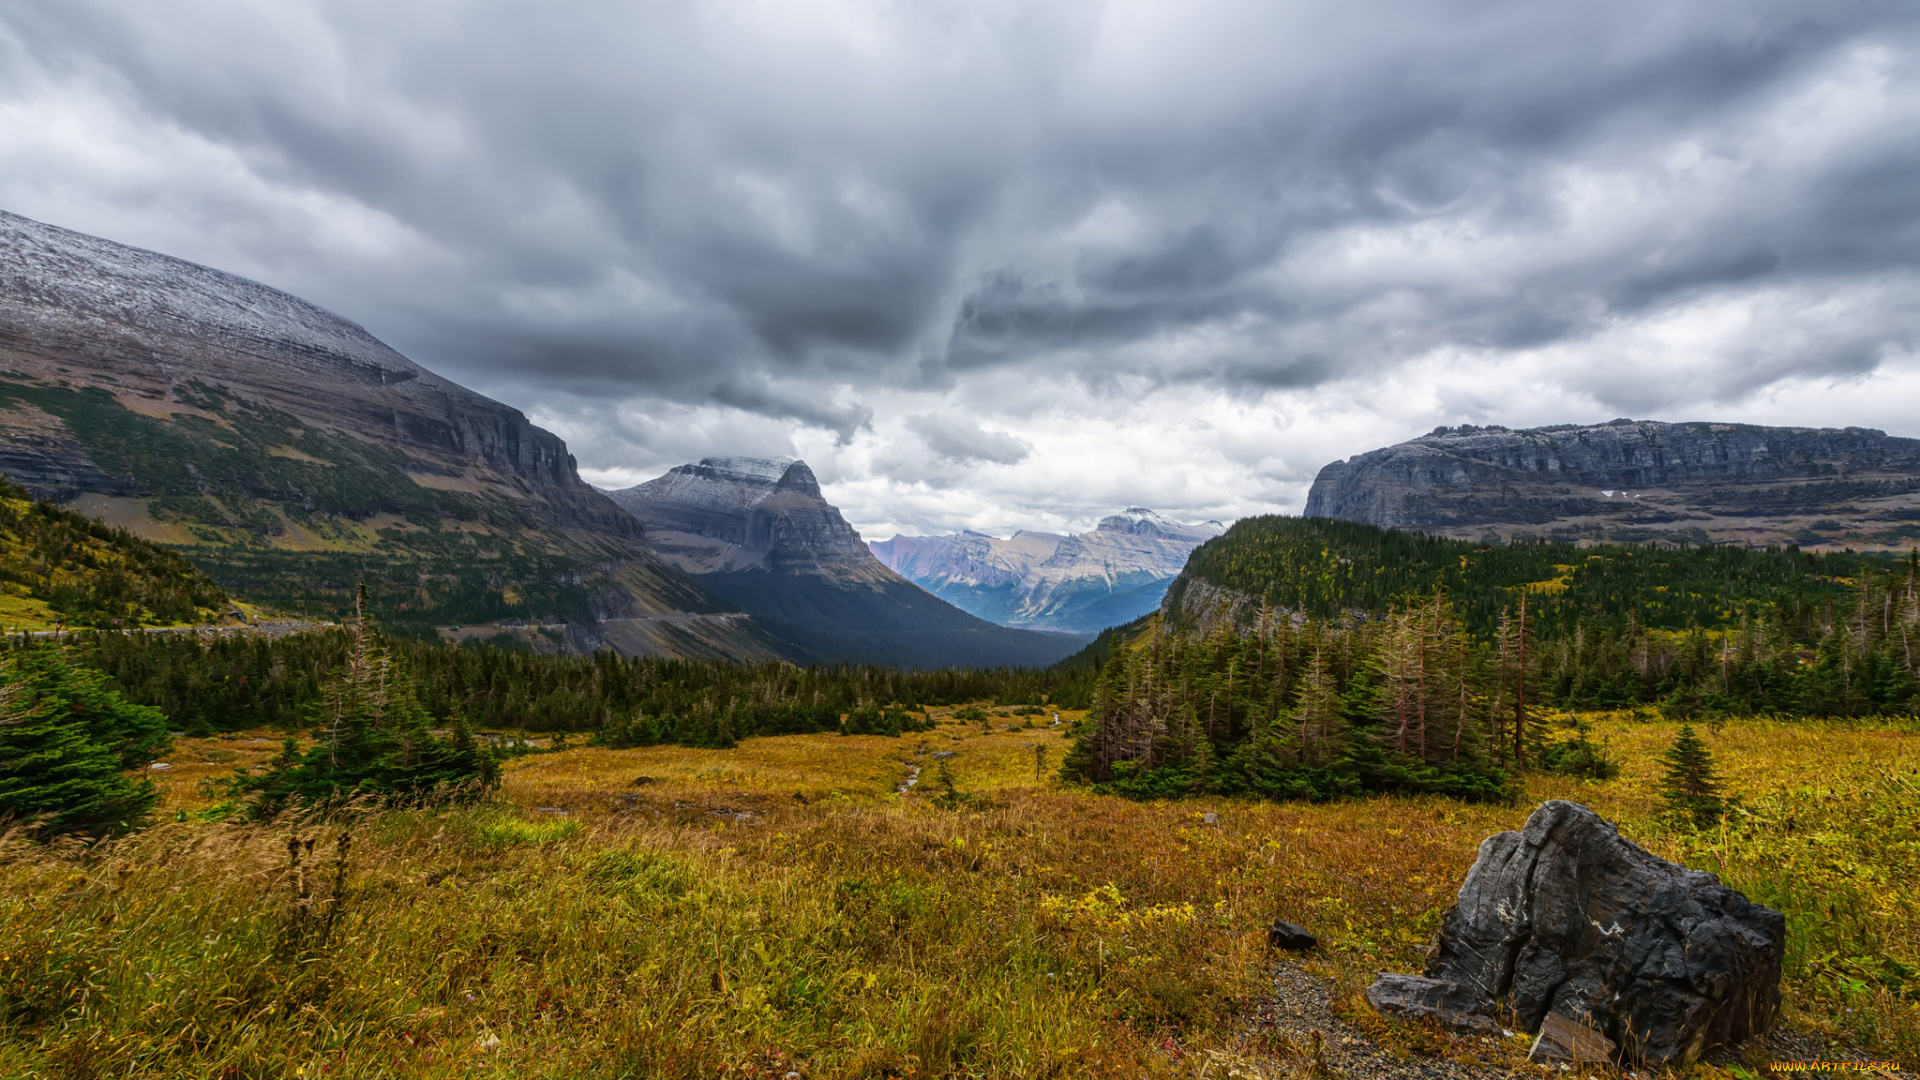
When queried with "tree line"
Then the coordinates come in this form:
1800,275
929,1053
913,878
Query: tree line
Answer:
225,682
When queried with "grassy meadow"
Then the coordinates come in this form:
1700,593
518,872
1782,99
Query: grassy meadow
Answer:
779,909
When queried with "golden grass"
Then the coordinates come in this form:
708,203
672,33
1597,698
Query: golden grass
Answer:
708,923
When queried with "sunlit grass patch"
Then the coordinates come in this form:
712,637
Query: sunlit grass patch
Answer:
512,831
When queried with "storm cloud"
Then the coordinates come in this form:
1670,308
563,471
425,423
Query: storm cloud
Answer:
1000,265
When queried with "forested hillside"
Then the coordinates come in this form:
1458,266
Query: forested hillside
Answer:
1323,567
1717,627
62,568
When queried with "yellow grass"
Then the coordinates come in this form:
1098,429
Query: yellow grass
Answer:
710,923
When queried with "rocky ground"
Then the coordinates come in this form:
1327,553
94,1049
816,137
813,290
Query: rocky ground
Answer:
1296,1033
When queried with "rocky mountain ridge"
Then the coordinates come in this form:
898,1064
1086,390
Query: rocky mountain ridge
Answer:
739,514
760,533
1083,582
1638,481
280,447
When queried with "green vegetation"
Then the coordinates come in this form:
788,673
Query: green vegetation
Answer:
1324,567
1401,703
1709,629
374,739
66,743
231,681
208,472
1690,790
59,566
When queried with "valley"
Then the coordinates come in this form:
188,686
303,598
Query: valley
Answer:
1081,583
691,779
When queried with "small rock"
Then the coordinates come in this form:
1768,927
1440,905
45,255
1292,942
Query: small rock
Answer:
943,754
1290,936
1209,818
1562,1039
551,810
159,765
1416,997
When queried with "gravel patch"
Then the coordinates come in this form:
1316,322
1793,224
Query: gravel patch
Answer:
1313,1042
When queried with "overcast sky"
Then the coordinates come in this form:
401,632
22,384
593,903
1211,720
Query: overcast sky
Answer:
1001,265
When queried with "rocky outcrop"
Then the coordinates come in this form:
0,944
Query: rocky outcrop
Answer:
734,514
1201,607
759,533
1568,918
1636,481
1084,582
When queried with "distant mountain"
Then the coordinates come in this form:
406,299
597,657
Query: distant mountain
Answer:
290,455
759,533
1080,583
1636,481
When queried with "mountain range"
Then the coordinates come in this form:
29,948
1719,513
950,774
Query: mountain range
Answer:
1638,481
291,455
759,533
1079,583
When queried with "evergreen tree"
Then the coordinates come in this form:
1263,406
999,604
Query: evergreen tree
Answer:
374,738
1690,789
66,741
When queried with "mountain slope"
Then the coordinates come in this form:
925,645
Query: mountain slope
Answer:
1634,481
1079,583
59,568
289,453
759,533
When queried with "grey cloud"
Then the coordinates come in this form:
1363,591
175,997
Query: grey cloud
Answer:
653,202
961,440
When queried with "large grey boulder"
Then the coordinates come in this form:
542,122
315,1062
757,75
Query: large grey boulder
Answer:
1568,917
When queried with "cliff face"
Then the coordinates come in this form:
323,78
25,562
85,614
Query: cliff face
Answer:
142,329
737,514
760,533
1079,583
1635,481
284,449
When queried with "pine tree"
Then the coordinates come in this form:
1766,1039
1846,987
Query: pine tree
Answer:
1321,732
65,743
1690,789
374,738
